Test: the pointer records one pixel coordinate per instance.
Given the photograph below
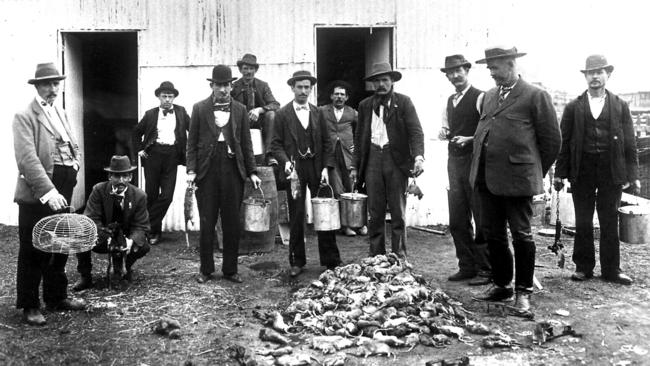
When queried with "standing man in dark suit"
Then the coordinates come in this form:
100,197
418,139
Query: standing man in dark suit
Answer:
260,103
598,155
219,159
301,142
161,137
47,156
389,147
516,141
458,126
341,121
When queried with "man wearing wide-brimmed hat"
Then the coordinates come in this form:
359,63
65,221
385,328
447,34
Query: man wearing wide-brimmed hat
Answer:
47,155
301,143
598,155
389,148
458,126
161,138
256,95
219,159
516,142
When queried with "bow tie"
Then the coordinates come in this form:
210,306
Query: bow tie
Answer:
44,104
224,107
167,111
302,107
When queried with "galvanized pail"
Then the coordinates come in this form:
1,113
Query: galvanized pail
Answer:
354,210
257,213
634,224
326,212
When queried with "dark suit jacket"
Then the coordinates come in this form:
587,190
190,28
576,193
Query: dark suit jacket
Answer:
523,142
622,144
202,138
263,96
99,208
342,130
148,127
284,145
404,134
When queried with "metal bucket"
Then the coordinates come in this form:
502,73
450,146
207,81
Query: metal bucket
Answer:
257,214
326,212
354,210
634,224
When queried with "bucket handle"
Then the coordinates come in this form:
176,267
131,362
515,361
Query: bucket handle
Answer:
261,191
327,185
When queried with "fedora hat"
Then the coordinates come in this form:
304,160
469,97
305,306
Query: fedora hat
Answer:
301,75
46,71
454,61
168,87
500,52
597,62
248,59
383,68
120,164
221,74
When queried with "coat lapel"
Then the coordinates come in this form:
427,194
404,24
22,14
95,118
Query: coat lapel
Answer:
108,203
292,126
235,116
511,98
41,116
66,125
313,120
208,116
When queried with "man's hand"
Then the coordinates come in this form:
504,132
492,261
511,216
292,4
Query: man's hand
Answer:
418,167
57,202
443,134
324,176
288,167
255,180
143,154
254,114
353,175
636,187
558,184
129,245
461,141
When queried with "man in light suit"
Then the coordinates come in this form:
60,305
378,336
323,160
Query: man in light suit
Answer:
516,141
47,155
219,159
598,154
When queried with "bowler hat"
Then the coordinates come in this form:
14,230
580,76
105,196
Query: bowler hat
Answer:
301,75
221,74
500,52
383,68
597,62
166,86
248,59
454,61
46,71
120,164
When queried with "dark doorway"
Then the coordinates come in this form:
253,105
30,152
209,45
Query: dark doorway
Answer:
104,94
347,53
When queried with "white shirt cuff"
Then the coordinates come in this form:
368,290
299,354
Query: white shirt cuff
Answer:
46,197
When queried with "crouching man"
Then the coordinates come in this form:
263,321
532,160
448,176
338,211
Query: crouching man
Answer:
116,205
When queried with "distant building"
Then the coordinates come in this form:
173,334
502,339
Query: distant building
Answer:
637,100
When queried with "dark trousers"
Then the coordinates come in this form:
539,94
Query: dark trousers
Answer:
385,184
594,188
160,181
220,193
464,203
498,212
34,264
340,175
327,248
85,264
265,123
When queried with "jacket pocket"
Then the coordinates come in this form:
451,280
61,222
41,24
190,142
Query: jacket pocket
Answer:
521,159
517,117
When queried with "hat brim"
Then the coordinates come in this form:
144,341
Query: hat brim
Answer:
396,75
160,90
132,168
608,68
514,55
240,63
291,81
221,81
44,78
466,64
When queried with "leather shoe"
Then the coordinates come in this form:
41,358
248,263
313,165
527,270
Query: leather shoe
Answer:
461,275
581,276
33,317
620,278
68,304
84,283
522,301
203,278
236,278
363,230
295,270
349,232
480,281
154,239
496,293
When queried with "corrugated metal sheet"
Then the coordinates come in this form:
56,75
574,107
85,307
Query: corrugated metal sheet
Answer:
102,14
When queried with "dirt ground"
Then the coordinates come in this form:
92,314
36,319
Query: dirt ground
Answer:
117,327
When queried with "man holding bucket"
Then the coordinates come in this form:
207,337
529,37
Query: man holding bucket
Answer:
598,155
301,142
219,158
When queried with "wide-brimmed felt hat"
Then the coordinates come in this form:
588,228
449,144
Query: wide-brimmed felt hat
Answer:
454,61
120,164
46,71
340,84
383,68
500,52
221,74
301,75
168,87
597,62
248,59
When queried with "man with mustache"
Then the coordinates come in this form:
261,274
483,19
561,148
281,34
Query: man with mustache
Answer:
301,143
219,159
458,126
260,103
47,156
516,141
389,148
599,158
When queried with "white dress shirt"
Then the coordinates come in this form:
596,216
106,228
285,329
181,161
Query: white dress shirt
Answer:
53,116
302,113
596,104
221,118
457,98
166,126
338,113
378,134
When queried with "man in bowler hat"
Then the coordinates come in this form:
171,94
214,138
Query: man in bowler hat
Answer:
389,148
219,160
599,158
47,156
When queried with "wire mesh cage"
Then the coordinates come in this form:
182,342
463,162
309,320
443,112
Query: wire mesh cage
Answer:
66,233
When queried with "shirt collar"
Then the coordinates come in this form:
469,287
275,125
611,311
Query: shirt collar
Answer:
296,105
40,101
462,92
596,99
123,194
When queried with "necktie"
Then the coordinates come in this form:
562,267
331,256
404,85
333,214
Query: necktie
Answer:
167,111
222,107
503,92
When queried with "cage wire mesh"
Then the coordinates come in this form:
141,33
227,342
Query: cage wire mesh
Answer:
66,233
